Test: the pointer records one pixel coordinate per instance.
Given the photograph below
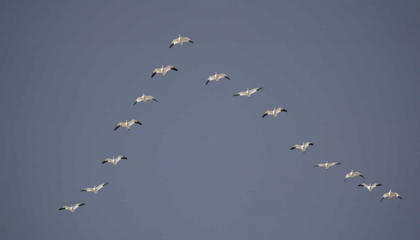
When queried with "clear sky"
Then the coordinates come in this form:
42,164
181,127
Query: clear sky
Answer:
205,164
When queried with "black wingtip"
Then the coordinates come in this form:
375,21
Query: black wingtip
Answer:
190,41
153,75
400,197
381,199
171,45
123,158
292,148
105,184
104,162
264,115
174,69
207,82
378,184
284,110
360,185
227,78
154,100
362,176
134,103
61,208
82,204
236,95
83,190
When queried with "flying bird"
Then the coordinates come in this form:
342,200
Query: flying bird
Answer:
302,147
180,40
370,187
95,189
72,208
127,124
113,161
217,77
144,98
390,195
352,175
327,165
163,70
274,112
248,92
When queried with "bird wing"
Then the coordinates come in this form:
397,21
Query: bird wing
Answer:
281,110
363,185
376,185
296,146
254,90
185,39
120,157
308,144
333,164
107,160
64,208
240,94
133,121
157,70
222,75
101,185
268,112
87,190
175,41
139,99
320,165
120,124
78,205
169,67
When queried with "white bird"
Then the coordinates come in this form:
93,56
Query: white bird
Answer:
95,189
114,160
370,187
217,77
144,98
248,92
302,147
72,208
127,124
327,165
390,195
352,175
180,40
163,70
274,112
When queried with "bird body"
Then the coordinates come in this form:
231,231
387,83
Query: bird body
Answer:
163,70
180,40
144,98
327,165
352,175
302,147
216,77
370,187
127,124
72,208
248,92
274,112
114,161
95,189
390,195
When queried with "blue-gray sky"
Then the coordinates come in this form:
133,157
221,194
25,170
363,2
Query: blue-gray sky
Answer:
204,164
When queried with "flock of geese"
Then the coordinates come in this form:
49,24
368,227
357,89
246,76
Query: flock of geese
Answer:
216,77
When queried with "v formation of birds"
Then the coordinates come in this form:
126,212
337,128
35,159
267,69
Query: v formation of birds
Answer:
216,77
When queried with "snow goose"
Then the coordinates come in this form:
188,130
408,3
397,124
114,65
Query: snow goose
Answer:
127,124
144,98
217,77
352,175
95,189
114,160
274,112
72,208
248,92
302,147
163,70
180,40
327,165
370,187
390,195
